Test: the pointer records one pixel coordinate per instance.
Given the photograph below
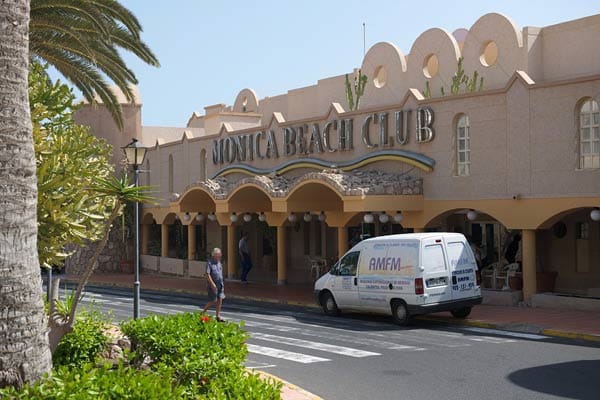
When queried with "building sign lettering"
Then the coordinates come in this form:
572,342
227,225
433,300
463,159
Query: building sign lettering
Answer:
335,135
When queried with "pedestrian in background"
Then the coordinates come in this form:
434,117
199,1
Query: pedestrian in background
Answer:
245,259
215,284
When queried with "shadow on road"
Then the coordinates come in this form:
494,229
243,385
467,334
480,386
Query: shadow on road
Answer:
570,380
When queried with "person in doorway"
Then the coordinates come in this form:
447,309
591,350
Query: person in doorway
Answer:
215,284
513,249
245,259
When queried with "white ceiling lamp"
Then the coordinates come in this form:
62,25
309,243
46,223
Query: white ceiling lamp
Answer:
398,217
187,217
247,217
307,217
174,197
200,217
471,215
262,217
233,217
322,216
595,214
384,218
212,216
292,218
368,218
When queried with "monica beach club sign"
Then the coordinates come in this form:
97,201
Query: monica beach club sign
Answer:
379,129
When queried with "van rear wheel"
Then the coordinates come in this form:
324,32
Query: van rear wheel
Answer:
329,305
461,312
400,313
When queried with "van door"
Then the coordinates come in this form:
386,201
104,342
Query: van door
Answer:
344,283
436,274
464,269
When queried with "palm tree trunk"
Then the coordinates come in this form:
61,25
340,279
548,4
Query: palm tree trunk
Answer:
24,352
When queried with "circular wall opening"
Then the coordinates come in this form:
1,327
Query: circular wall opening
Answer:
380,77
430,66
489,54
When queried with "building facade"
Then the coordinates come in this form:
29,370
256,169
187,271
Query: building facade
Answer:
491,131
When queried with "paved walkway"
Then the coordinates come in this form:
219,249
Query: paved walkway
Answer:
583,325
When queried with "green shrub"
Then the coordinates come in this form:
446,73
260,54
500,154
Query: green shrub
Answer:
84,344
196,349
100,383
188,358
240,384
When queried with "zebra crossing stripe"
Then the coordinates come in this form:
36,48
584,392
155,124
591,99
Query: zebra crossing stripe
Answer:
286,355
330,348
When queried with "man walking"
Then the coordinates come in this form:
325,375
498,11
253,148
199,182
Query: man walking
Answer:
245,260
215,285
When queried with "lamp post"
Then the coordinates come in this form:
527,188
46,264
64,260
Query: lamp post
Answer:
135,154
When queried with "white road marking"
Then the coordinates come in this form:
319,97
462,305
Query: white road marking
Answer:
286,355
330,348
505,333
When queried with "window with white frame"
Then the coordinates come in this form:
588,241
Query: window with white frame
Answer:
463,146
589,139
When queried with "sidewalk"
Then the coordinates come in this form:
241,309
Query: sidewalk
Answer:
582,325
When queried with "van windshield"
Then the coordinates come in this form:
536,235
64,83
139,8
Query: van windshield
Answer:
347,265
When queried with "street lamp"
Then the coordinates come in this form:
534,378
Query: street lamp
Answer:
135,154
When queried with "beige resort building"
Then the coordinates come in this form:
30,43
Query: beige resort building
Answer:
517,152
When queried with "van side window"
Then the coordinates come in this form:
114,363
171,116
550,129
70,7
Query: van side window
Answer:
433,258
347,265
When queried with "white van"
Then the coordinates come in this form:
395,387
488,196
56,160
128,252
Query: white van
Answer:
404,275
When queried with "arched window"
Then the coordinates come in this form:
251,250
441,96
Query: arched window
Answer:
203,165
171,173
589,139
463,146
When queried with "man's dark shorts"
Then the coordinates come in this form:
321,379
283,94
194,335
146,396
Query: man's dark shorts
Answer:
219,293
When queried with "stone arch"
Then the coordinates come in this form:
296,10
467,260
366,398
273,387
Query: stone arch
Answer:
384,61
508,38
169,218
197,199
246,101
314,195
436,216
436,43
249,198
147,219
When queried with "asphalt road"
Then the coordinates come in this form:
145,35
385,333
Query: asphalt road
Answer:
367,357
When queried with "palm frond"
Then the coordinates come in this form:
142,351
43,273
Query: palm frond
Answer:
81,39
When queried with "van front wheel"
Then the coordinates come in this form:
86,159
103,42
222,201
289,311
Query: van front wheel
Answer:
329,305
400,313
461,312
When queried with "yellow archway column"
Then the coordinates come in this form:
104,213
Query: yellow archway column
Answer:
342,240
529,265
145,238
164,240
191,242
232,250
281,256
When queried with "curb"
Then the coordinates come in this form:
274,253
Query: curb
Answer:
304,394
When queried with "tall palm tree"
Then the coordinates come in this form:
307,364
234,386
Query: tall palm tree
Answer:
81,39
24,352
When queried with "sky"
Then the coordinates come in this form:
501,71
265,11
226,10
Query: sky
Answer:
210,50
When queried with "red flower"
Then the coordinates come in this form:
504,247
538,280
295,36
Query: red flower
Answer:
205,318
